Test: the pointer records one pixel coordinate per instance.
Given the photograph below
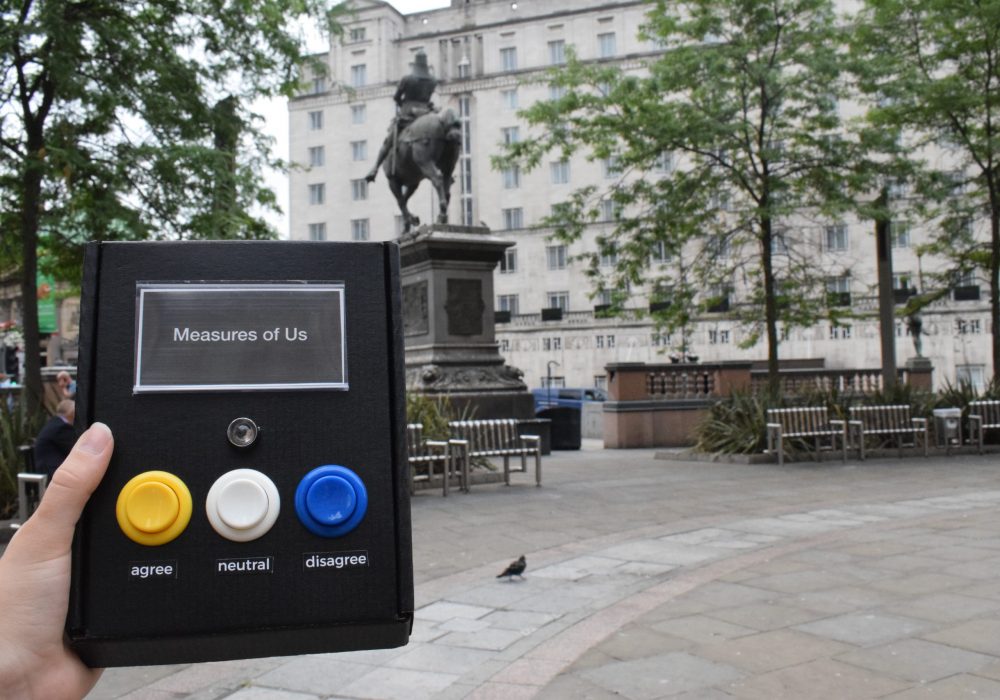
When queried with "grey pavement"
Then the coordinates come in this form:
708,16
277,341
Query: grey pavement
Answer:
650,578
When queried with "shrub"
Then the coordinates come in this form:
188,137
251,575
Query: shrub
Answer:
736,425
17,428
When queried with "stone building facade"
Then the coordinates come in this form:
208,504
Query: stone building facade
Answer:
491,56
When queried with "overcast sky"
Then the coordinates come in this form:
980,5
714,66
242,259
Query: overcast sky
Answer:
276,114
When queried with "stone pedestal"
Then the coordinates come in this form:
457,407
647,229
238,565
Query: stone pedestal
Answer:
920,373
448,324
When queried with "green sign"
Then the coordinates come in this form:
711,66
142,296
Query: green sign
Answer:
47,322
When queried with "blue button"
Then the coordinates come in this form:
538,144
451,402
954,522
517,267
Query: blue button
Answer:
331,500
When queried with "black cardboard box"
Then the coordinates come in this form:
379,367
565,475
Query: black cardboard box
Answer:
178,341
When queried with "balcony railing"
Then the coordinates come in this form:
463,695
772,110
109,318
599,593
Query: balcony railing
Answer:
681,382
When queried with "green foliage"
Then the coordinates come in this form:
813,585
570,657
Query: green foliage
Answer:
930,69
736,425
742,104
433,412
17,427
132,121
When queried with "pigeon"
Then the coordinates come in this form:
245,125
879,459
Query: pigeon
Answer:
515,568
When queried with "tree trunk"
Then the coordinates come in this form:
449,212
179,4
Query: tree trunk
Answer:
31,182
770,309
995,285
886,302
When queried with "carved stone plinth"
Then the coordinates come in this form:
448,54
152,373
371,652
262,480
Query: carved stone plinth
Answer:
448,325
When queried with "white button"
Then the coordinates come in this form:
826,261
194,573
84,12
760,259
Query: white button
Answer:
242,505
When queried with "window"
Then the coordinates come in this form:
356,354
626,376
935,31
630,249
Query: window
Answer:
508,58
359,75
835,237
559,172
555,257
317,232
317,156
511,134
899,234
609,340
902,280
838,290
973,375
603,297
359,229
504,345
598,341
509,99
318,85
968,326
841,332
779,241
508,263
553,381
464,67
316,120
358,34
556,92
358,114
665,162
609,210
513,218
557,52
558,300
359,150
606,45
718,337
612,167
660,253
359,190
317,193
507,302
601,381
511,178
717,246
609,256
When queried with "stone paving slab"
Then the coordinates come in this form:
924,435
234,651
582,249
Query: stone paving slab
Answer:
651,579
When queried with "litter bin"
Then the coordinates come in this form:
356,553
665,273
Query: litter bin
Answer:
565,426
947,426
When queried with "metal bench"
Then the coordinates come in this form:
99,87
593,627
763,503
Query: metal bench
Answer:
893,421
806,422
983,415
495,438
423,454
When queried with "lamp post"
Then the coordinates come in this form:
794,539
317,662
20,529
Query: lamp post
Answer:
548,379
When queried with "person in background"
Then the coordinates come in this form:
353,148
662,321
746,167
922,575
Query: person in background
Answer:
66,384
56,439
34,582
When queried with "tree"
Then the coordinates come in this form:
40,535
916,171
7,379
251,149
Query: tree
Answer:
126,120
744,101
932,70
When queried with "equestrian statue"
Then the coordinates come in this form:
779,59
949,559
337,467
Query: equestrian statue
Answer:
422,143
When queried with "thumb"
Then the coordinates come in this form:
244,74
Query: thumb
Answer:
51,526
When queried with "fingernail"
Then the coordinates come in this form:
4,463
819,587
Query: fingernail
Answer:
96,439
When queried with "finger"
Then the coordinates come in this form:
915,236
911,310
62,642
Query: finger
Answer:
71,486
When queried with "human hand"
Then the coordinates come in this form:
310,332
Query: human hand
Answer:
34,582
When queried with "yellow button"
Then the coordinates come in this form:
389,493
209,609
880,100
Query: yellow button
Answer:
153,508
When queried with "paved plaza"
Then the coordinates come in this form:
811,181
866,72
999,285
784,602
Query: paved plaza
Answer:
651,578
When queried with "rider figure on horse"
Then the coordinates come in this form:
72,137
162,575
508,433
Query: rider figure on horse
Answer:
413,99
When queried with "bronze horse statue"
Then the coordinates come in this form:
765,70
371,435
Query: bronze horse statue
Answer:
427,148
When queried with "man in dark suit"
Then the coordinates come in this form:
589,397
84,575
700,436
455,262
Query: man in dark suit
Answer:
56,439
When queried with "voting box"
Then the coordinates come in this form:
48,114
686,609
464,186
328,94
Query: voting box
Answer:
257,501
